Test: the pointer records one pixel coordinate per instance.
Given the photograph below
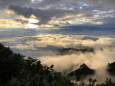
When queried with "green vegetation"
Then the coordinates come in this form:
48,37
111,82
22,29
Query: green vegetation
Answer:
16,70
92,82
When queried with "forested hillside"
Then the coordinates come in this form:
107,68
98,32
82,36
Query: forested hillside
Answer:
18,70
15,70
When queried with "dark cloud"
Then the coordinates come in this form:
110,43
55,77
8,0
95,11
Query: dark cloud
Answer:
49,2
105,3
21,20
43,15
5,3
57,3
89,37
45,10
109,2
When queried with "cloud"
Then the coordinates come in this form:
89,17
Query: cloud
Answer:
53,18
58,3
9,23
104,53
93,60
42,46
5,3
109,3
43,15
63,14
97,61
60,17
104,3
56,13
54,3
49,42
49,2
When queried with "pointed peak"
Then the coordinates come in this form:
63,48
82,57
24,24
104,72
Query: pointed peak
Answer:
83,65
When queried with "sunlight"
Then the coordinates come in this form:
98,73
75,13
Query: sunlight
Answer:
32,23
31,26
33,20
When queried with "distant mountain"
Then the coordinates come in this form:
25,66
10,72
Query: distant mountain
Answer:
111,68
82,72
73,50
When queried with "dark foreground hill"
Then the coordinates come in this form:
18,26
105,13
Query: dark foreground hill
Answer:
82,72
16,70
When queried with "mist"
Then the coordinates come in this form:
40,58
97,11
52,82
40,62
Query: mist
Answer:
42,46
104,48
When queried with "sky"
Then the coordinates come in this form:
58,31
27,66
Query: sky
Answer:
56,14
36,28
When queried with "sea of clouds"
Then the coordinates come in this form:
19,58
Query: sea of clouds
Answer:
43,45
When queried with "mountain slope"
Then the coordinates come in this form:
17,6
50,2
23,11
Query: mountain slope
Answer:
82,72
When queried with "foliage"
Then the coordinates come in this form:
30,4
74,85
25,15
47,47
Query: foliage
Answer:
15,70
92,82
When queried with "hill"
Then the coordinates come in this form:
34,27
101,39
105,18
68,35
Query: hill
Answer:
16,70
111,68
82,72
68,51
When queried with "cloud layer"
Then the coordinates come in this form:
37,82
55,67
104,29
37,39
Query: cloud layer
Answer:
42,46
56,13
92,19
